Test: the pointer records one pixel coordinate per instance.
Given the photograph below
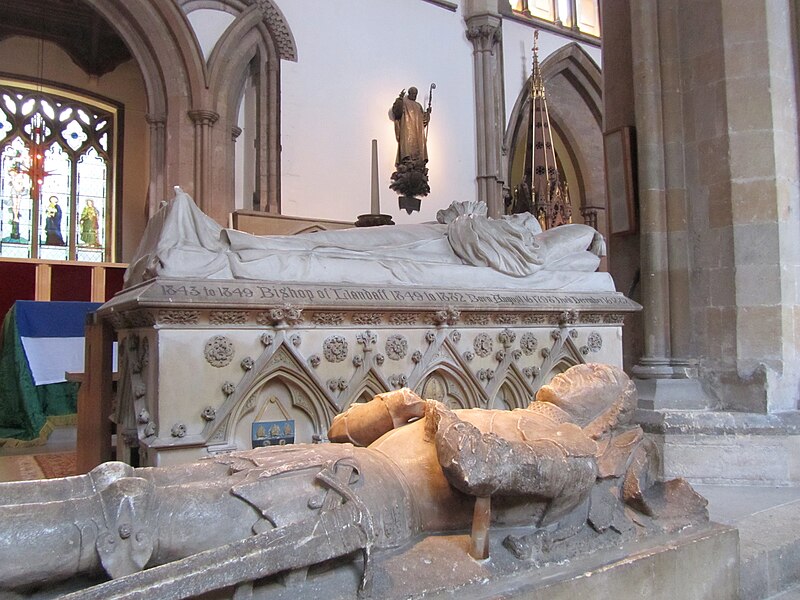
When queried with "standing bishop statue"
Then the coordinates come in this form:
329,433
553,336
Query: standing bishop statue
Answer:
410,178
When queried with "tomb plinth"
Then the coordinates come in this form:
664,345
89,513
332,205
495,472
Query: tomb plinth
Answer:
204,362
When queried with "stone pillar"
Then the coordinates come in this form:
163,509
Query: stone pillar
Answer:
203,122
484,31
762,98
270,127
158,142
662,206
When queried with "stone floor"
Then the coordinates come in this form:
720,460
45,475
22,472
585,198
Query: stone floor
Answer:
768,519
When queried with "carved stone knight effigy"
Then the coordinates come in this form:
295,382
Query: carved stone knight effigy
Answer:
569,467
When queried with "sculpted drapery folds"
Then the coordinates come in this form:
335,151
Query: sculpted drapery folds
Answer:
463,246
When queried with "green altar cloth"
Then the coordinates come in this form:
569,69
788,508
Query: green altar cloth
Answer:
28,413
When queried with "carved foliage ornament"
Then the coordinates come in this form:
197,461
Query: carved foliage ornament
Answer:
178,317
404,319
328,318
219,351
506,337
227,317
367,318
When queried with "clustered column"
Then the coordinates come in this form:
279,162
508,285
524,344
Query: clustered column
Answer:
203,122
484,31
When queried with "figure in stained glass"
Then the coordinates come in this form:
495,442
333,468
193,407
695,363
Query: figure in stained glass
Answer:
90,224
52,224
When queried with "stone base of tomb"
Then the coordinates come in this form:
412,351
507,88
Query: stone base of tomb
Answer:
697,564
211,366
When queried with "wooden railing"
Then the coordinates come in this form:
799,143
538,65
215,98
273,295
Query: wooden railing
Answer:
36,279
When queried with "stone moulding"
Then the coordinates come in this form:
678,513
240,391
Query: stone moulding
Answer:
190,303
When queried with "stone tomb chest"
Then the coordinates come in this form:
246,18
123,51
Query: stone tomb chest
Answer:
201,361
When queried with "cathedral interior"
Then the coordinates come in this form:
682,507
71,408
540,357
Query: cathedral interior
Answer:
669,126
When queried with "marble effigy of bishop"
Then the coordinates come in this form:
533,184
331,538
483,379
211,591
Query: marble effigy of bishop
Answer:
463,248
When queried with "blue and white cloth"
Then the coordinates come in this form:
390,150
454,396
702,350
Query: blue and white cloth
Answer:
52,334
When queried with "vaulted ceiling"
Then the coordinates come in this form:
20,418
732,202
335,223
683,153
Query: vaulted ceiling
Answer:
72,24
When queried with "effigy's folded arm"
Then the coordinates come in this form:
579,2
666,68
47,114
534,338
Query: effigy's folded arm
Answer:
363,423
484,464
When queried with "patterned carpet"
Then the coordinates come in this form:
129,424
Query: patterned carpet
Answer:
25,467
56,464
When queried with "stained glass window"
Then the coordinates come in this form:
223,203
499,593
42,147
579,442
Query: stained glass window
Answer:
56,174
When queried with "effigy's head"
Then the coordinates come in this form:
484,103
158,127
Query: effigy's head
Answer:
458,209
412,93
596,396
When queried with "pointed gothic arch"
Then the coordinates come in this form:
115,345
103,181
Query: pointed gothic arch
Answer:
193,103
573,83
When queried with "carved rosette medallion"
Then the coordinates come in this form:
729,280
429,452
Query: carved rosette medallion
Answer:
528,343
334,349
219,351
595,342
396,347
483,345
